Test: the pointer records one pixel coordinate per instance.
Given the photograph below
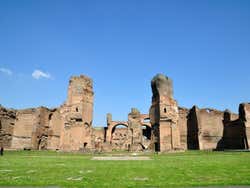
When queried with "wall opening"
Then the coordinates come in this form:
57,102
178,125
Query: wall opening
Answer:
146,132
120,137
147,120
50,117
85,145
78,119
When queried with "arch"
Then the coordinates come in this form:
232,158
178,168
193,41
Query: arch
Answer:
116,125
86,125
85,145
111,127
120,136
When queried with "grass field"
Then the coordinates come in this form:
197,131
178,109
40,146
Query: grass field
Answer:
33,168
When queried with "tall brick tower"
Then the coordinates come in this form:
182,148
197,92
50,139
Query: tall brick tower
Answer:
164,115
77,115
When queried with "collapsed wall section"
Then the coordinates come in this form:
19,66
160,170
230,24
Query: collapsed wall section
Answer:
24,123
77,115
7,122
244,116
164,115
54,130
204,128
210,129
211,125
233,134
30,130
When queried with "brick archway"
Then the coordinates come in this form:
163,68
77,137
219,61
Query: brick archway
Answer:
112,126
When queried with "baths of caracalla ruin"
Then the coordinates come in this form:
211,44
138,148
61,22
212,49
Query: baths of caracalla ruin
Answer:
167,127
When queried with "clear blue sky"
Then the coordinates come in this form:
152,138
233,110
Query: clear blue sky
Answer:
204,46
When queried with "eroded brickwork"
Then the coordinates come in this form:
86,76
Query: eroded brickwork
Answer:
164,115
167,127
77,115
7,122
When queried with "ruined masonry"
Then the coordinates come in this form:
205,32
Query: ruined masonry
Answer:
167,127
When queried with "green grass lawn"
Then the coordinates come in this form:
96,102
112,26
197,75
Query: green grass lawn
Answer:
33,168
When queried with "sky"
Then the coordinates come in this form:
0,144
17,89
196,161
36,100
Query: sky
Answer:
203,46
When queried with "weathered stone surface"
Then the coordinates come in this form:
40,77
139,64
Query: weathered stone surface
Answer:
164,115
134,124
31,129
244,115
54,130
233,134
166,127
98,135
7,121
77,115
182,123
193,129
210,129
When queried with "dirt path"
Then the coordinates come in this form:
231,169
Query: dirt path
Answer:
122,158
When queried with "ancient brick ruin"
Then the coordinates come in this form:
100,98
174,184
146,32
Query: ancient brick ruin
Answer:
167,127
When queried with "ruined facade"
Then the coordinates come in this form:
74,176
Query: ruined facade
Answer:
164,115
167,127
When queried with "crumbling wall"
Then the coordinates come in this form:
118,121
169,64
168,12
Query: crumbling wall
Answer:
40,130
210,129
244,116
135,125
7,120
182,123
131,135
24,123
69,128
77,115
31,129
193,129
121,139
233,136
54,130
211,125
164,115
98,137
205,128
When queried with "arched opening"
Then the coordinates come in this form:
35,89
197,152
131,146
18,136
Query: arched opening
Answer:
42,143
165,110
50,117
120,138
77,109
85,145
119,127
86,125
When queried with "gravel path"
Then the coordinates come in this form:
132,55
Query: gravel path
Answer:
123,158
